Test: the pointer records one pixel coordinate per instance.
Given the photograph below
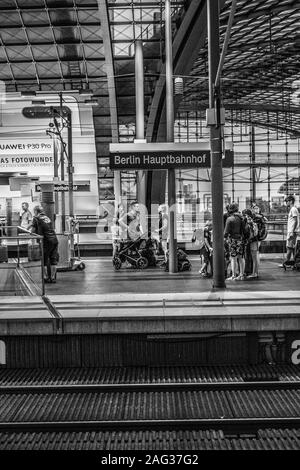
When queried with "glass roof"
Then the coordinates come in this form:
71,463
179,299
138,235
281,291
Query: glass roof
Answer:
60,44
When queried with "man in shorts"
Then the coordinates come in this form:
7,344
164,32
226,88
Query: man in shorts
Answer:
42,225
293,225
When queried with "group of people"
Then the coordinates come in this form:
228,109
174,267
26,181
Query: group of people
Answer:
243,233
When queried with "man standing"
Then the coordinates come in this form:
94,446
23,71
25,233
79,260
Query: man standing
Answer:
42,225
26,216
293,224
163,228
130,222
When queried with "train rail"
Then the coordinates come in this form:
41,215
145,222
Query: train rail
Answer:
71,404
156,375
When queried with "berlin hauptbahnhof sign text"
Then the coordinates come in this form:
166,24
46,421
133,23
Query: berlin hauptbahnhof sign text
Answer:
162,159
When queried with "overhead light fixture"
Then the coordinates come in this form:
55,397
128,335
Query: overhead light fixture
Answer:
38,102
91,102
28,93
86,91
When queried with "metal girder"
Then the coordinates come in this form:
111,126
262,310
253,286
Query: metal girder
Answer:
110,71
189,39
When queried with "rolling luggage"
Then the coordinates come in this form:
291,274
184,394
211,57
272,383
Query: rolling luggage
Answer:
3,254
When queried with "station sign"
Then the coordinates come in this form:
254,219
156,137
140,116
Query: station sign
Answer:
63,186
163,156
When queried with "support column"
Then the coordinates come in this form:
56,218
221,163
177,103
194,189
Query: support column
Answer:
70,166
140,126
216,145
62,171
173,268
55,173
253,169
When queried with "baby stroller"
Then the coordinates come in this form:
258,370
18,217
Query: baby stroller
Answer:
149,249
139,253
183,262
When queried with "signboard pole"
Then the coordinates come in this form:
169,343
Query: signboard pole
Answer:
173,268
62,171
215,145
55,173
140,126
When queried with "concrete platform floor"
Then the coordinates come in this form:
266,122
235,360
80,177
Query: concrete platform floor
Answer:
99,277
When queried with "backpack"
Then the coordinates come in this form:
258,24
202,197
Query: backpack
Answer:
262,228
245,228
254,230
198,237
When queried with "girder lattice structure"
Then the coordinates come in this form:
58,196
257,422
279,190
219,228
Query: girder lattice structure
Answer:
49,45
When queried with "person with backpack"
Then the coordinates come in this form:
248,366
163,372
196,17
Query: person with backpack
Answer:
203,237
261,222
252,248
236,233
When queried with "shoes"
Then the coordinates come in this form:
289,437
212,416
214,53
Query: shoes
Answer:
281,265
204,274
252,276
241,277
47,280
231,278
53,280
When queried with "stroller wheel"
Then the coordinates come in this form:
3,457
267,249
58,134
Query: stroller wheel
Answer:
81,267
142,263
117,263
184,266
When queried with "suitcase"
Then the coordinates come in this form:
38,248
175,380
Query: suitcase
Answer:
3,254
34,252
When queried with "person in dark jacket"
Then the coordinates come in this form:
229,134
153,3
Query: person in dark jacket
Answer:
234,236
42,225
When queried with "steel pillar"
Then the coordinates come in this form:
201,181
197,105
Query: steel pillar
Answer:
173,268
216,145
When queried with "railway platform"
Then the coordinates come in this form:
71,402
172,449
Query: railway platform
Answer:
99,316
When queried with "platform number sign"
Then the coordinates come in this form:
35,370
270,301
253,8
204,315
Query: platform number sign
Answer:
2,353
296,352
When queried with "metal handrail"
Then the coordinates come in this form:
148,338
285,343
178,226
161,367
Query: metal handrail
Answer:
27,236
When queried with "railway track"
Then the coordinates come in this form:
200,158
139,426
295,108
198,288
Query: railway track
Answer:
73,405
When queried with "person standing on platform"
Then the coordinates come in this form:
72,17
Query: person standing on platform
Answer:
234,235
25,216
130,222
293,226
252,246
203,237
163,229
116,230
42,225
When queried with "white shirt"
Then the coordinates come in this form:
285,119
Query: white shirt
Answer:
291,219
